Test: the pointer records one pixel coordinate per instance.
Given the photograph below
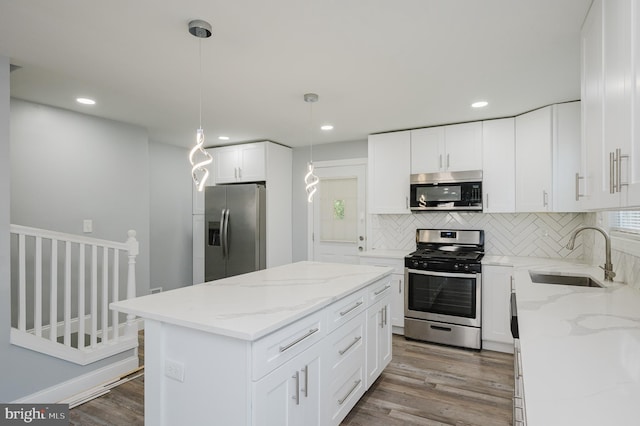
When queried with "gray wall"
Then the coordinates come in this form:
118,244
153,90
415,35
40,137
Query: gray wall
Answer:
170,216
324,152
66,167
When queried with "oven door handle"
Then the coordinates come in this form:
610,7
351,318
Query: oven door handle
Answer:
444,274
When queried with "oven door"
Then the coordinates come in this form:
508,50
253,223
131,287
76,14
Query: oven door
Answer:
442,296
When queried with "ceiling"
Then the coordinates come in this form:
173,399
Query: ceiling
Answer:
377,65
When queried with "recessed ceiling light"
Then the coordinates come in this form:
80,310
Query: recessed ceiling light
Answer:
480,104
327,127
85,101
223,138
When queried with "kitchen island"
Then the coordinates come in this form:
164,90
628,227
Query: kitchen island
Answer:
293,345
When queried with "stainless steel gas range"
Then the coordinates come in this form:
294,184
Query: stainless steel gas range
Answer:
443,284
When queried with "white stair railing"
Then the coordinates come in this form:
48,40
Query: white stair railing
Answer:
90,275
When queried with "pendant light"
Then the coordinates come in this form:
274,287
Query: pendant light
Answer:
310,179
199,172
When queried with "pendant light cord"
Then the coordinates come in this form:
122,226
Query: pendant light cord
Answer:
200,78
310,132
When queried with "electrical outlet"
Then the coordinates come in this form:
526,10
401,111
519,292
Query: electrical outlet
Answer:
174,370
87,226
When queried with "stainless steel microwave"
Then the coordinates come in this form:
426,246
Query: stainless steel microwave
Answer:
447,191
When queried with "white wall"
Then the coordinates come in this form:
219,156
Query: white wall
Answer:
170,216
324,152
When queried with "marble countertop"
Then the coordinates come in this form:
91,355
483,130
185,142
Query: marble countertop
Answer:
580,346
252,305
386,253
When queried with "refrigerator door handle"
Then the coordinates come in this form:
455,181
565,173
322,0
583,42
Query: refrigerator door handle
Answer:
224,249
225,235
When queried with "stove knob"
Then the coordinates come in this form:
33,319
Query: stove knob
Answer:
466,267
414,263
456,267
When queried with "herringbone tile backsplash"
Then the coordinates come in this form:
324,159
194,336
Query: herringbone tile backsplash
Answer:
520,234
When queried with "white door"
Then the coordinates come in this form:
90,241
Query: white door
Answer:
337,213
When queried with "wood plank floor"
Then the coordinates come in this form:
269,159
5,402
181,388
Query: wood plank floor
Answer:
425,384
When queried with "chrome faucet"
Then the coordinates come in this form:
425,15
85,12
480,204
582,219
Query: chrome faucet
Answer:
608,266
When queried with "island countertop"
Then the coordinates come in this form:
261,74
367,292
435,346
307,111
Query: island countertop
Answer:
252,305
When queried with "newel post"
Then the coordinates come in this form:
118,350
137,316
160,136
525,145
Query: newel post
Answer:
131,328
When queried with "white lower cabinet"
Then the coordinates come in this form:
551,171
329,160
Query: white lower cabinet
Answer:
290,395
344,366
397,291
314,372
378,332
496,294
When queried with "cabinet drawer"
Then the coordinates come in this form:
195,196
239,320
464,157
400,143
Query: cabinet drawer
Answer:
346,345
280,346
344,310
343,394
379,290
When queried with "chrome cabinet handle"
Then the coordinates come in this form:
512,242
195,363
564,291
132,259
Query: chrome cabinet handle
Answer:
297,395
298,340
399,286
355,386
487,200
385,315
344,351
545,198
618,169
306,381
440,161
343,313
578,194
382,289
447,161
612,173
239,173
406,199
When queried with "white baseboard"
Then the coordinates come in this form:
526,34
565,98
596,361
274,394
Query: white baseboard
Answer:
81,383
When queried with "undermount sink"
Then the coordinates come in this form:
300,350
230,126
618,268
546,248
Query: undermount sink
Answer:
576,280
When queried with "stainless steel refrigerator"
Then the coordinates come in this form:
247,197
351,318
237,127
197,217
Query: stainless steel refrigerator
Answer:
235,230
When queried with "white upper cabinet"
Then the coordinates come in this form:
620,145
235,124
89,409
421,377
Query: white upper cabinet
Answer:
389,165
566,158
593,158
463,143
452,148
498,160
633,196
548,159
611,132
533,161
240,163
427,148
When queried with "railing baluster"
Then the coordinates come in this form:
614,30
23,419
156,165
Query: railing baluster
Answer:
131,328
37,310
81,310
53,293
115,323
94,295
22,283
67,293
105,295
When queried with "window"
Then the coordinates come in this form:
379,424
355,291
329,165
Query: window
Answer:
625,221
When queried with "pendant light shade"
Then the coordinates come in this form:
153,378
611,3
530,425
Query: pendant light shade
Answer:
198,156
310,179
